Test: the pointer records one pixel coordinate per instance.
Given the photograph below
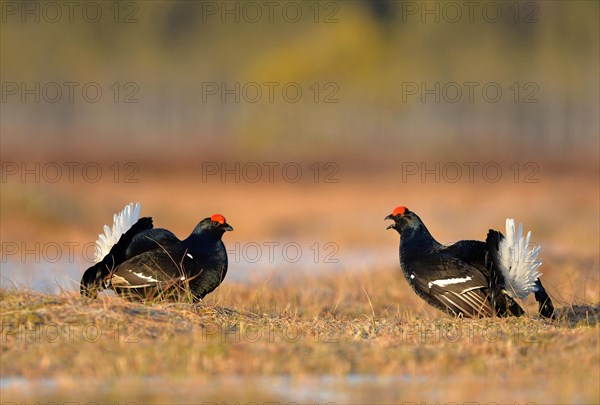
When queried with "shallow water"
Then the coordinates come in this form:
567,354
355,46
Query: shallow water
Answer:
250,263
319,389
352,388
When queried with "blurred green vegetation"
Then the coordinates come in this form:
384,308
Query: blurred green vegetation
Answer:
363,58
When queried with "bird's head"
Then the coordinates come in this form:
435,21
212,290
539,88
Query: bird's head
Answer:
215,225
403,219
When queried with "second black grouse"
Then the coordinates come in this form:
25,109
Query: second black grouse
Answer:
138,261
470,278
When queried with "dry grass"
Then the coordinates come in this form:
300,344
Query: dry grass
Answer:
340,326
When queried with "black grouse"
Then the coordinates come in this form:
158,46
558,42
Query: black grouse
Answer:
140,262
470,278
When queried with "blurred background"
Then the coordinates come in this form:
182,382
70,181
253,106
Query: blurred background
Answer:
363,67
301,122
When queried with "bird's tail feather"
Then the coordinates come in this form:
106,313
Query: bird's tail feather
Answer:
542,297
93,278
515,262
122,222
112,247
519,261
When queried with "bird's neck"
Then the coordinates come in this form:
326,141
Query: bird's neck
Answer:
416,241
202,240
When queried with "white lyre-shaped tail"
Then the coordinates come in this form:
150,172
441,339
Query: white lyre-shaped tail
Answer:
519,262
122,222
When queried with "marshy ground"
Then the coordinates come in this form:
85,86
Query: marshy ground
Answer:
305,340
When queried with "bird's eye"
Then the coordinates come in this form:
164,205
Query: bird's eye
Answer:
215,223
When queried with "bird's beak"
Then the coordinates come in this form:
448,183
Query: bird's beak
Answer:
226,227
392,226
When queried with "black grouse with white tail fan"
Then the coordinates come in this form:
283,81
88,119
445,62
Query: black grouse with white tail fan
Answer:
138,261
470,278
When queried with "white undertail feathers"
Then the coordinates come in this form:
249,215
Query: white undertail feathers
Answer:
122,222
519,261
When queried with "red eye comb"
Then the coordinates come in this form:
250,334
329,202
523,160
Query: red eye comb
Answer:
399,210
218,218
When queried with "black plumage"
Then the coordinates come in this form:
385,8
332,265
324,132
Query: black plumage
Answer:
461,279
152,263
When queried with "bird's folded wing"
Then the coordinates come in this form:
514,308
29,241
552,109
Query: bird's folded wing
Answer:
454,283
154,268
